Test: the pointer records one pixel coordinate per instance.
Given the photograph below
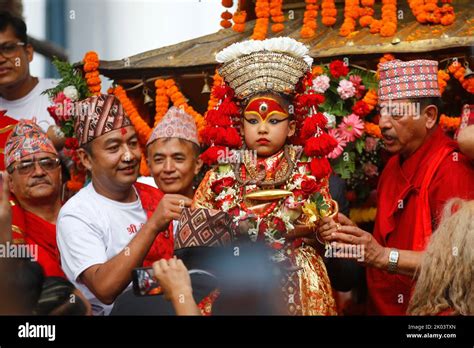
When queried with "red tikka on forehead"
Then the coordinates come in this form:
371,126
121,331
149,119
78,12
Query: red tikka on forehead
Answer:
123,131
265,107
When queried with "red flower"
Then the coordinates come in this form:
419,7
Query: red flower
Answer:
320,146
310,99
211,155
299,193
361,108
320,167
309,187
278,224
71,143
218,185
338,68
262,228
53,112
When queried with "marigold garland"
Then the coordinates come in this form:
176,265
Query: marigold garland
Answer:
372,129
387,25
78,178
449,123
443,78
309,19
226,15
351,13
161,100
141,127
458,71
328,12
239,21
371,99
91,69
428,11
262,11
362,215
213,100
317,70
277,15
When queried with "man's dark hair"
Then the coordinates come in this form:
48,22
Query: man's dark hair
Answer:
88,148
16,23
56,298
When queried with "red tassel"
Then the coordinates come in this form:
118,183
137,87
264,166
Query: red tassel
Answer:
216,118
212,154
320,168
320,146
311,124
232,138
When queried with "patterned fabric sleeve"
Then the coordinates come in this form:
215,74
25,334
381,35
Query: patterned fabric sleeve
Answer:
204,197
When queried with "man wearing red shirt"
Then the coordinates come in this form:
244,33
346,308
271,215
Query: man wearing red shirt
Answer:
426,170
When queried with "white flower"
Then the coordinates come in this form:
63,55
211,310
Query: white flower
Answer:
71,93
331,120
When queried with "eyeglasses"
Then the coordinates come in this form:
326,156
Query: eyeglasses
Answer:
9,49
27,167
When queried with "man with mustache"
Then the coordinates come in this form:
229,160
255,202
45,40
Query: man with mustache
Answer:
112,225
425,171
34,175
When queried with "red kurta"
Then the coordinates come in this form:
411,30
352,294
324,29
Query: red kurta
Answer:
411,195
32,230
163,246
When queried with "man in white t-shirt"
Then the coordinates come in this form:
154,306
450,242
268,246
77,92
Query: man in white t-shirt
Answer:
104,231
20,93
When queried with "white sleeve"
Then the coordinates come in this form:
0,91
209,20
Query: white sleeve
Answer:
80,244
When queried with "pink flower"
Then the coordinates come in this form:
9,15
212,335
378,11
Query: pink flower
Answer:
321,83
370,144
351,127
346,89
370,169
359,87
341,144
59,98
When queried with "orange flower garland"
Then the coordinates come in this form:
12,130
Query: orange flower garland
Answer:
371,99
226,15
385,58
239,21
91,68
213,101
141,127
373,130
458,72
328,12
443,78
77,181
449,123
428,11
277,15
387,26
161,100
351,13
309,19
262,10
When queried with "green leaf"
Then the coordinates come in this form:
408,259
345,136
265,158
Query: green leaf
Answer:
360,145
344,166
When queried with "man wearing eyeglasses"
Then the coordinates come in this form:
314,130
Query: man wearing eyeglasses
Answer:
20,93
34,175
